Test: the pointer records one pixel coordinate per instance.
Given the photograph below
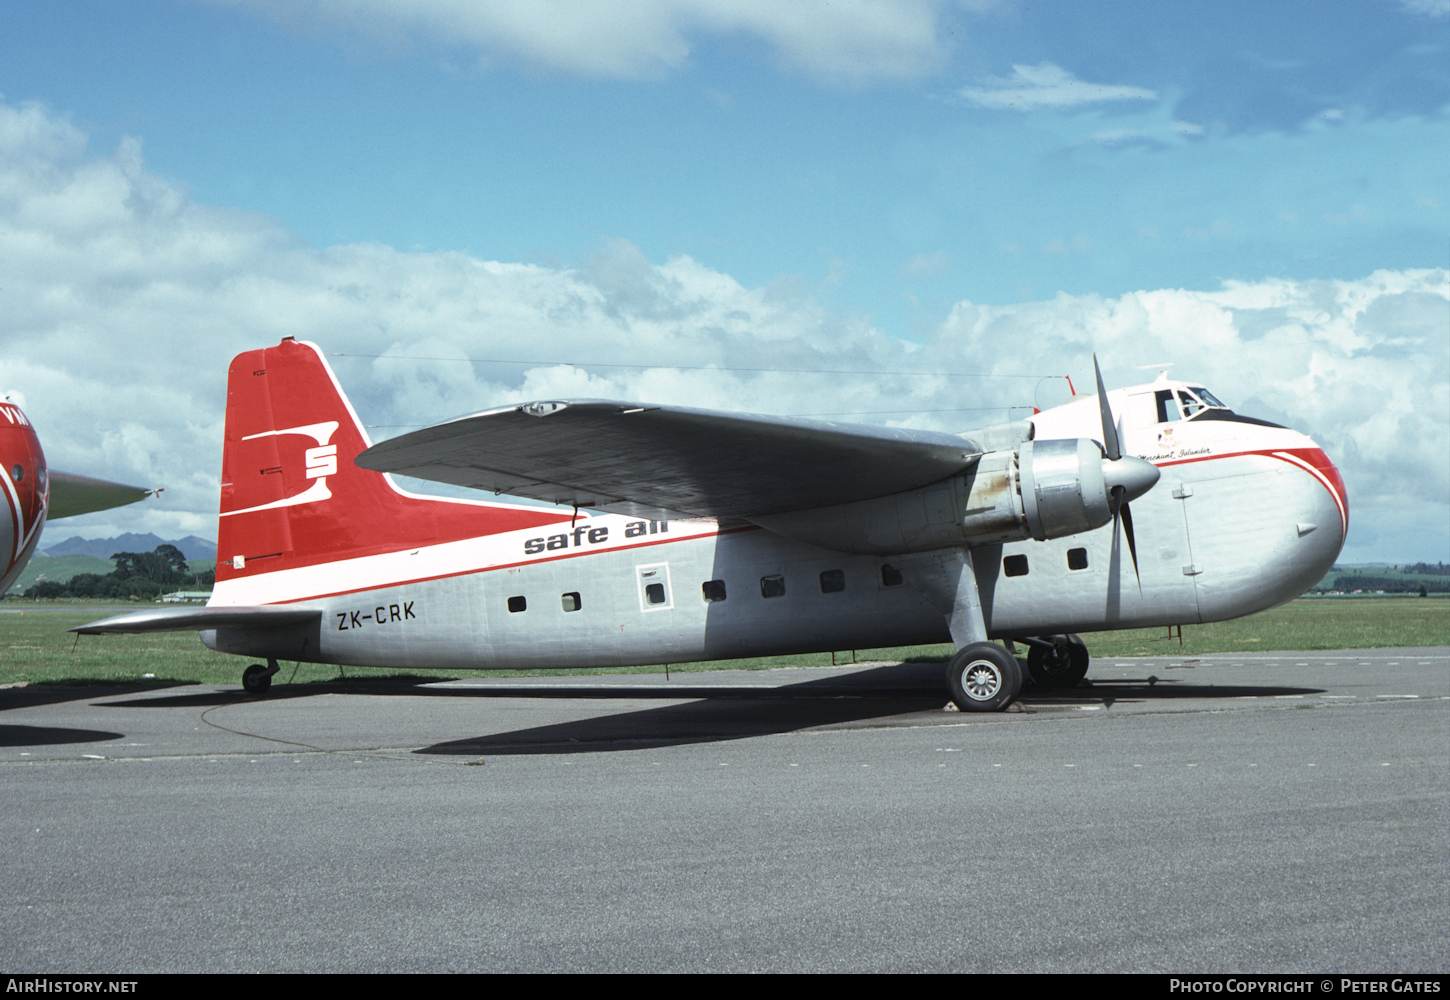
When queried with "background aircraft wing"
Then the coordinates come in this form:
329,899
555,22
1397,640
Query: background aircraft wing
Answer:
669,461
71,495
196,619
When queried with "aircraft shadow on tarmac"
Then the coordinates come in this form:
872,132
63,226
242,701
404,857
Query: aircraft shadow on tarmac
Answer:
868,698
883,696
45,736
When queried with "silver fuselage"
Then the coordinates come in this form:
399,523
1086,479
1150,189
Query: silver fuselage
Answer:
1239,522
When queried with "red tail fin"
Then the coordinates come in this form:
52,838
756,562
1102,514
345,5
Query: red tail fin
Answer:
291,495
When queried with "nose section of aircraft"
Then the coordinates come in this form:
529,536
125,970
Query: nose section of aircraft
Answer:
1135,475
1267,533
22,493
1324,504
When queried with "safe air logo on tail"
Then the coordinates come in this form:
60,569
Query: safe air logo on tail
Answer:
321,463
291,495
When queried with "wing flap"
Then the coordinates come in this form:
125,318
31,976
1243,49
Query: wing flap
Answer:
198,619
671,461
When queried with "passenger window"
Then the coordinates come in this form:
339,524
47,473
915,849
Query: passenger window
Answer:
1015,565
517,604
571,602
1077,558
890,576
714,590
833,581
772,586
654,587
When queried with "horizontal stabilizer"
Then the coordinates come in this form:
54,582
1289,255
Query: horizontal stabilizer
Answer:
71,495
652,461
197,619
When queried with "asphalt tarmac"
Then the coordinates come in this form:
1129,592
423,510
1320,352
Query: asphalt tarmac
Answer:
1281,812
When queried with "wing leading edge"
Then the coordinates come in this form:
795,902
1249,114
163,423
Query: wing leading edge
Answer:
671,461
197,619
71,495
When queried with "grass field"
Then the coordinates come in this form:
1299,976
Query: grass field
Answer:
35,647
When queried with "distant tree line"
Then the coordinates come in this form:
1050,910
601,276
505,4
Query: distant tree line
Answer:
1391,584
137,575
1428,569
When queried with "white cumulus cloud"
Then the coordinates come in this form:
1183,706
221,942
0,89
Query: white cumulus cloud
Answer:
124,300
1048,86
847,40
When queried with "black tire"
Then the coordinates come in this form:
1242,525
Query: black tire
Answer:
1062,666
256,679
983,677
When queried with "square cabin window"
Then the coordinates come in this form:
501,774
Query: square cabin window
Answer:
1015,565
571,602
1077,558
714,590
517,604
890,576
654,593
833,581
772,586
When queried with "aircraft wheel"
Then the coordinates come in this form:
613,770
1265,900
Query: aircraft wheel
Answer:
256,679
1062,666
983,677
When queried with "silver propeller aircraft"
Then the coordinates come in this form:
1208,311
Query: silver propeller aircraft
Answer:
728,535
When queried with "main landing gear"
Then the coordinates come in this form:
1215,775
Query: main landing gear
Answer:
983,677
257,679
1057,661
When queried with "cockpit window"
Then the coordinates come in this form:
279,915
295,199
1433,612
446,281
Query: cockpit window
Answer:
1185,404
1167,406
1208,397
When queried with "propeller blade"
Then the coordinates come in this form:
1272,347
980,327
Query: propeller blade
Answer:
1110,432
1132,543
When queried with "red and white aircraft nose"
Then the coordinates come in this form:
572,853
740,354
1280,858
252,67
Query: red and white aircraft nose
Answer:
22,471
1312,459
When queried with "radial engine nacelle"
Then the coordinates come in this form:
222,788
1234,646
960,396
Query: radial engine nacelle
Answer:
1041,489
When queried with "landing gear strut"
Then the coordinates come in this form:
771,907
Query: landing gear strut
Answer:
1057,661
983,677
257,679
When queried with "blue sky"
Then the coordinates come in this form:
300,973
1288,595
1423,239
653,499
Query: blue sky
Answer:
858,179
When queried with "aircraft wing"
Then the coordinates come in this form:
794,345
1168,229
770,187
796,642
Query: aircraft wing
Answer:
197,619
671,461
71,495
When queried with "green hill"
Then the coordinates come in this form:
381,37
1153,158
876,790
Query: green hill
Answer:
59,569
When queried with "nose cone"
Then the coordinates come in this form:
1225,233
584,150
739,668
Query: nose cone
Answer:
22,493
1135,475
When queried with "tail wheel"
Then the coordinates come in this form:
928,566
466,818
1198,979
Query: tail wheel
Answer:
257,679
983,677
1063,665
